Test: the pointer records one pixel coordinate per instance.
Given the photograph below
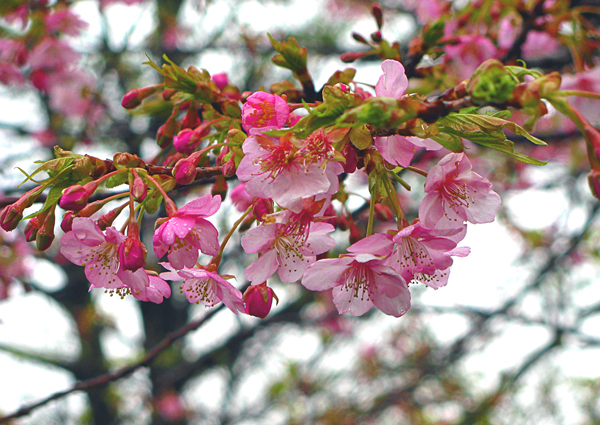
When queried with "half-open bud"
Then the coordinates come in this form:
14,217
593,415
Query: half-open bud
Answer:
132,253
258,300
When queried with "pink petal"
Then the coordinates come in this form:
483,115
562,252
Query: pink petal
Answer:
393,82
262,268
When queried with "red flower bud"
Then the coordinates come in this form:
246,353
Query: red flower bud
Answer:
31,229
378,14
132,254
262,207
594,182
220,187
258,300
383,212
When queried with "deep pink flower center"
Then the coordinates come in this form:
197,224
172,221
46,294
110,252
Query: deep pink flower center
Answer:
412,255
263,113
456,194
281,157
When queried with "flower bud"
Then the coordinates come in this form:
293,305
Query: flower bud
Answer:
133,98
383,212
594,182
45,235
377,12
220,187
258,300
139,189
186,141
67,222
191,119
76,197
31,229
229,169
123,160
10,217
166,132
184,171
132,253
376,36
220,80
262,207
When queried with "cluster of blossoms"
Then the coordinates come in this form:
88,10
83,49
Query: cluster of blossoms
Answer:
292,152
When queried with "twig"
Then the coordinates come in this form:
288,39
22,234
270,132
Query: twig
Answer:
113,376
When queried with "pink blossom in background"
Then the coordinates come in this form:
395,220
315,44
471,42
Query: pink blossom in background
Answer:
264,111
202,286
11,75
456,194
64,21
71,92
359,282
538,45
287,246
13,51
470,52
240,198
187,232
51,54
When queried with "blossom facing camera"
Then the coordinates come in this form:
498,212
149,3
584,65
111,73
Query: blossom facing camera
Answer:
259,299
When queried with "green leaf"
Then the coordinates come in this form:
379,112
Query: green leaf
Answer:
487,130
291,55
116,180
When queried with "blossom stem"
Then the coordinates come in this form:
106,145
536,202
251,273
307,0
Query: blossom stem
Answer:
169,204
371,213
417,170
217,260
402,220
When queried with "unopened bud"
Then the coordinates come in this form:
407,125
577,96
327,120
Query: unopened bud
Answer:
166,132
45,235
383,212
76,197
262,207
356,36
31,229
377,12
220,187
123,160
220,80
594,182
139,189
132,254
184,171
259,299
191,119
10,217
376,36
133,98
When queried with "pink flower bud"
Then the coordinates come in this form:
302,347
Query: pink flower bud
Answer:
185,141
139,189
258,300
76,197
220,80
133,98
377,12
376,36
67,222
31,229
45,235
383,212
184,171
191,119
262,207
594,182
132,253
10,217
229,169
220,187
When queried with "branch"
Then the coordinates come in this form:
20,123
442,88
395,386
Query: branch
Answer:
113,376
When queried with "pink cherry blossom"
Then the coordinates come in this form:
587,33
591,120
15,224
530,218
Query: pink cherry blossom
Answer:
280,170
456,194
264,111
288,243
71,92
87,246
417,253
51,53
183,234
470,52
65,21
359,282
202,286
397,150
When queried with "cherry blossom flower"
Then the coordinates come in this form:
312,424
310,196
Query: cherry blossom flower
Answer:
288,244
470,52
264,111
359,282
183,234
396,149
87,246
419,254
280,170
456,194
64,21
203,286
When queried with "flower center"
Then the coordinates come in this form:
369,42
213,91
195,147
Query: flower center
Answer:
200,290
412,256
358,278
